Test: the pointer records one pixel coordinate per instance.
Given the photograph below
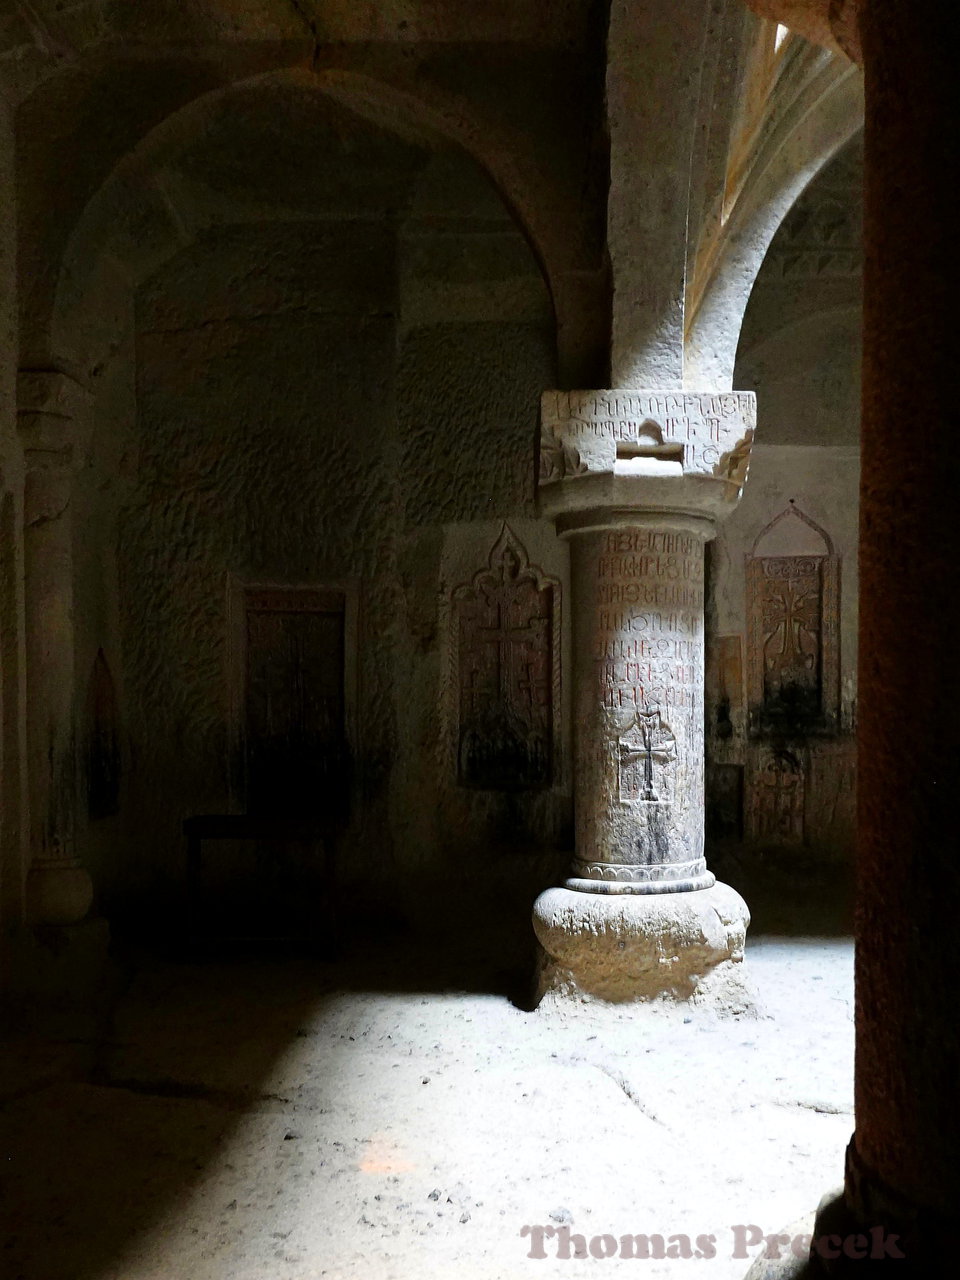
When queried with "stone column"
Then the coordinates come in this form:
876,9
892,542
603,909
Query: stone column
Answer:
903,1162
636,480
638,694
54,418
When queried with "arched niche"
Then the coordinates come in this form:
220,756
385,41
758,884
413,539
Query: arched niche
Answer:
793,630
145,213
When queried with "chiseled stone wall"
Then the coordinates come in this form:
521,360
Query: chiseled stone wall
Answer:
292,429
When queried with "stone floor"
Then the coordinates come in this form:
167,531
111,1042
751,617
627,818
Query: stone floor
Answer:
398,1113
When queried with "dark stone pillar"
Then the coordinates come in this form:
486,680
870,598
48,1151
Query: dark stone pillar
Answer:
904,1160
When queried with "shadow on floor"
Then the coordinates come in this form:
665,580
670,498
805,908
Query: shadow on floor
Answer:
98,1147
103,1132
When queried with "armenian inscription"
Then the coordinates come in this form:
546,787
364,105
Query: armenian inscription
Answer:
640,703
582,429
649,646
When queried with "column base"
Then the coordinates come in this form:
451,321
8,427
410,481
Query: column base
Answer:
671,878
58,894
619,948
834,1242
58,979
866,1221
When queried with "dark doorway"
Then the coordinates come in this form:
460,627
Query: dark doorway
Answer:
295,725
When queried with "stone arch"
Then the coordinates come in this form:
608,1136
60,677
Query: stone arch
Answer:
801,137
107,254
774,539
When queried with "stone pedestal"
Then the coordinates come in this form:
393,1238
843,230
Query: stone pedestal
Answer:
636,481
641,946
53,418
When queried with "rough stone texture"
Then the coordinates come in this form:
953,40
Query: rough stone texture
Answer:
666,450
14,853
902,1162
273,467
653,101
632,478
785,788
627,947
332,374
517,91
473,148
795,112
822,484
456,460
245,470
800,347
54,420
635,479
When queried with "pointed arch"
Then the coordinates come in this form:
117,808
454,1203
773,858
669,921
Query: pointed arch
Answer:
792,510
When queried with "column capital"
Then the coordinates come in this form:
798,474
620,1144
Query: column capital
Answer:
53,417
630,452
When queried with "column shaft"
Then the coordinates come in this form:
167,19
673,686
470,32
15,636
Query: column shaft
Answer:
907,1142
54,423
638,673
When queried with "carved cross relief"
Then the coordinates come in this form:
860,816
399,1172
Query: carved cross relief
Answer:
506,645
793,620
647,756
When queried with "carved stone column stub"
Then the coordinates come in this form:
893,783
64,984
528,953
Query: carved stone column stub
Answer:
54,420
636,481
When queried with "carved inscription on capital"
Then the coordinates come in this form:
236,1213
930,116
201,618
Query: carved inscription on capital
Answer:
589,431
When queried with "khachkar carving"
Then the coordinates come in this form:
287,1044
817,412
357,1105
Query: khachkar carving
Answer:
777,797
793,612
507,672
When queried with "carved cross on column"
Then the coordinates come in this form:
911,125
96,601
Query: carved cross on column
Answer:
656,744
